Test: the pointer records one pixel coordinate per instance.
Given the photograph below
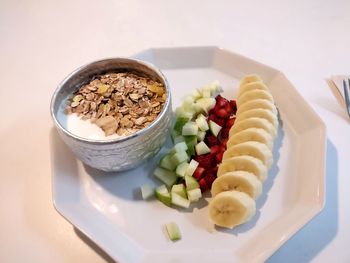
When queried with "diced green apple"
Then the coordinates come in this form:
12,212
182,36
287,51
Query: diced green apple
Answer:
162,189
214,128
191,167
182,113
206,92
191,142
174,134
196,108
166,176
179,123
181,169
167,163
178,139
190,105
194,194
206,103
196,94
179,189
191,183
146,191
215,88
179,157
200,136
178,200
173,231
190,128
180,147
163,195
202,148
202,123
187,103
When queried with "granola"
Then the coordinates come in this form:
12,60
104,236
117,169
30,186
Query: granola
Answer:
121,103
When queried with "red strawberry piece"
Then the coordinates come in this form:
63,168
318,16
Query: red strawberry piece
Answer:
206,161
203,185
221,101
214,170
216,119
219,156
229,109
215,109
224,142
198,173
224,133
219,121
222,148
222,113
233,105
209,179
211,140
229,123
215,149
212,116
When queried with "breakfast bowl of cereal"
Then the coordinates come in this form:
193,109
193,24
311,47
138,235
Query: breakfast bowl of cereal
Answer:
113,114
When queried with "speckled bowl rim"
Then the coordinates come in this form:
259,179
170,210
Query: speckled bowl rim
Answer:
114,140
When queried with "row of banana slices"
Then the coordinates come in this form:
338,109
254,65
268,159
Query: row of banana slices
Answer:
248,156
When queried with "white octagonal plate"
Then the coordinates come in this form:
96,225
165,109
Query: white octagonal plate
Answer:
109,210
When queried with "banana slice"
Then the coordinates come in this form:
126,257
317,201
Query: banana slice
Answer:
244,163
255,149
251,134
257,104
240,181
253,95
260,113
231,208
253,122
250,78
252,86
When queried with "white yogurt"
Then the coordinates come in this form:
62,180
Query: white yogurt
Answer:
82,128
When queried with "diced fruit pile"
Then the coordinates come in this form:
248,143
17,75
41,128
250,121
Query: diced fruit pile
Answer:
200,134
248,156
215,150
220,118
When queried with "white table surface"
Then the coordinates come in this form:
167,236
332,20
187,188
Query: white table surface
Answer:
41,42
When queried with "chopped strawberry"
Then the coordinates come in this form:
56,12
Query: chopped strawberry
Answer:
219,156
222,113
215,109
215,149
221,101
220,121
203,185
224,133
222,148
209,179
211,140
215,169
206,160
229,123
212,116
233,105
229,109
224,142
198,173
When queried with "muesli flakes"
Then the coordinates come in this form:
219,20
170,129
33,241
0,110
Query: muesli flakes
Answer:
121,103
